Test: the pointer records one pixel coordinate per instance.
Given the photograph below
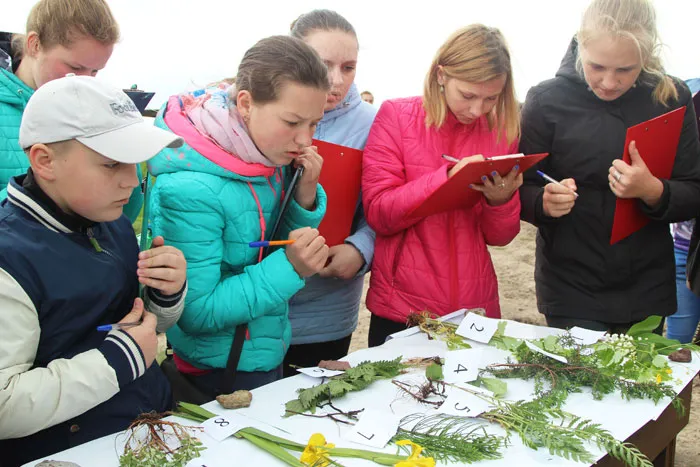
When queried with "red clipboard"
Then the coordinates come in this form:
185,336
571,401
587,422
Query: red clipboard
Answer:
340,178
455,192
657,142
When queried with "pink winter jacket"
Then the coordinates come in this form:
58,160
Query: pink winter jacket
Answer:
439,263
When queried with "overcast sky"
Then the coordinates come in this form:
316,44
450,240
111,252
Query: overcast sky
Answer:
169,46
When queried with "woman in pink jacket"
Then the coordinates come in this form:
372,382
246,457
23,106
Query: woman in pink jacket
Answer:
441,263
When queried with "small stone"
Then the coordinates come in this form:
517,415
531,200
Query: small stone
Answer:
682,355
236,400
334,365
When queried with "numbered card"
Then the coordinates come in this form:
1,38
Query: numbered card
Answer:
534,348
478,328
317,372
221,427
585,336
463,404
462,366
375,428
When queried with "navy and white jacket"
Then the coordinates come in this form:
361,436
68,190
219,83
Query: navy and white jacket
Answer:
63,383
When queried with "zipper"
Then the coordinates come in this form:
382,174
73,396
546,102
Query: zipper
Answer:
454,281
95,244
395,266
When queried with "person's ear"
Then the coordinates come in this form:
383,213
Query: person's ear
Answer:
244,105
42,159
32,45
440,75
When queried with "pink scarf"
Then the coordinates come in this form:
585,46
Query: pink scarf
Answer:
217,118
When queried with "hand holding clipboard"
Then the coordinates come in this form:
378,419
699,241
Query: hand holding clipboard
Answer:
656,143
457,192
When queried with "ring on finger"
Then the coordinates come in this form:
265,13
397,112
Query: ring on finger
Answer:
617,176
613,182
502,185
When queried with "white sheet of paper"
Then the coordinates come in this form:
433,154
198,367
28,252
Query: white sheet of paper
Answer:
405,333
463,404
454,317
221,427
375,428
586,336
316,372
478,328
534,348
462,366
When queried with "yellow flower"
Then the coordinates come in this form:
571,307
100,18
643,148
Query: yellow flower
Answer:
414,460
316,451
668,371
658,378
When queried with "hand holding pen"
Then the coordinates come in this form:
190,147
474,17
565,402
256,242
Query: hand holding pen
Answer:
312,162
141,326
559,197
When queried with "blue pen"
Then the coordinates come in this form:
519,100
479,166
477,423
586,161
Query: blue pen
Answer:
116,326
550,179
267,243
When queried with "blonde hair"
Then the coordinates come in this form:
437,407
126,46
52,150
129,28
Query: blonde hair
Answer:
59,22
634,20
475,54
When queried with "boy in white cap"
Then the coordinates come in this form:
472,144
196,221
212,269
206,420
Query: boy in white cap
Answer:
69,262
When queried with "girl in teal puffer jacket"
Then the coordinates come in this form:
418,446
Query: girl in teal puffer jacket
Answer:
223,189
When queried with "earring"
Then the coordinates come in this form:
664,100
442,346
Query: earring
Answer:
246,119
442,89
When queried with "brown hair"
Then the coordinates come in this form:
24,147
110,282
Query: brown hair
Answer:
475,54
320,20
59,22
634,20
276,60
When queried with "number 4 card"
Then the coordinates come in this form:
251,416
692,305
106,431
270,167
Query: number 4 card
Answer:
462,366
478,328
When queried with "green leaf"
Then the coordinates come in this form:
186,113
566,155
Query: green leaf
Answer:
648,325
551,343
664,346
495,385
660,361
434,372
294,407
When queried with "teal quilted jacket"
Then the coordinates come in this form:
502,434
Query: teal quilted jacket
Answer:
211,208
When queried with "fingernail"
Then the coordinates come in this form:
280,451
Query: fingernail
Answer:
141,264
494,173
484,178
516,168
142,255
471,185
139,272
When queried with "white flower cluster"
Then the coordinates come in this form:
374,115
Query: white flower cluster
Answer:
623,344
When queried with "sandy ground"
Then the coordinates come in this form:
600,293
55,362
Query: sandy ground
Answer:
514,265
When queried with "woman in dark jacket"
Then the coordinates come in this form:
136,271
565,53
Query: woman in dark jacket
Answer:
610,79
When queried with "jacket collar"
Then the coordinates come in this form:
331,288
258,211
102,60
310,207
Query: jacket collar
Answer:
26,194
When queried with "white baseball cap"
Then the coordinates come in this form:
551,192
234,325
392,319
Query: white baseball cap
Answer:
95,113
